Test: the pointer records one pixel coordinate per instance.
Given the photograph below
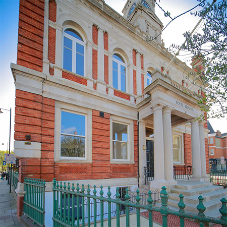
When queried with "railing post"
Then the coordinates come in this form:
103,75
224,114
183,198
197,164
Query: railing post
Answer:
201,208
150,201
95,206
127,197
54,208
138,209
101,205
88,205
109,207
118,208
223,210
181,205
77,204
83,216
164,208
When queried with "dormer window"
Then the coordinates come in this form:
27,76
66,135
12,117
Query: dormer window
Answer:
144,3
131,9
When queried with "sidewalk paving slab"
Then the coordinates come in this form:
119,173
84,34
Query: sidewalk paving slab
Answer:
8,206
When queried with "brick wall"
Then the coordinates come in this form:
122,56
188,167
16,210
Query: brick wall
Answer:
52,10
134,82
30,34
106,69
35,116
121,95
94,64
74,78
100,145
187,149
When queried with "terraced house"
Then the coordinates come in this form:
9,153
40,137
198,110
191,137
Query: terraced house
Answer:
94,101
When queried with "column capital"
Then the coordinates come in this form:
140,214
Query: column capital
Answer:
194,121
157,107
168,109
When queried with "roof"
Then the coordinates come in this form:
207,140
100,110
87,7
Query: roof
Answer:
210,128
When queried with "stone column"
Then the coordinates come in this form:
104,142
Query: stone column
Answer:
168,144
202,149
20,199
159,174
196,158
142,154
89,64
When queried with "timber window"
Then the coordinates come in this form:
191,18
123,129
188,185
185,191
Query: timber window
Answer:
177,149
73,135
119,73
73,52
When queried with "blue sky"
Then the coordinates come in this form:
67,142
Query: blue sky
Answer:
9,11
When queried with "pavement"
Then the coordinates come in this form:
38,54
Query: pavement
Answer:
8,206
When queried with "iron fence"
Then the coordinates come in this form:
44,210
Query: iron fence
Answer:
79,207
219,177
34,200
15,179
182,172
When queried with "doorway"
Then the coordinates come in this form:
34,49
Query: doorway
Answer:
150,159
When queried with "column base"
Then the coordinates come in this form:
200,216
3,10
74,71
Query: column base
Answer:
158,184
101,87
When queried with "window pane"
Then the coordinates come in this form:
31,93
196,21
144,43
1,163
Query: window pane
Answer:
73,33
72,123
80,64
176,142
123,80
120,132
79,48
120,150
67,59
115,79
115,65
72,146
68,43
118,57
176,155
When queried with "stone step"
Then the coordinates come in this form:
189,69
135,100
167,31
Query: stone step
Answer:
207,196
210,205
188,185
196,191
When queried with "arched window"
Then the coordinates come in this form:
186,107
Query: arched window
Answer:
73,52
145,4
131,9
149,78
119,73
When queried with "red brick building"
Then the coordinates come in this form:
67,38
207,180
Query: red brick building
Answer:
93,101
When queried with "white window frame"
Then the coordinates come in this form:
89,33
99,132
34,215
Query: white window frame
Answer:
88,133
181,153
130,144
211,140
74,41
119,63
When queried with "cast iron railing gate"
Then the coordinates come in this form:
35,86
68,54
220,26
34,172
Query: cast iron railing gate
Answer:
67,200
34,200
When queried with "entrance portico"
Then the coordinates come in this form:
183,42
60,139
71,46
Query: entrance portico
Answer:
168,107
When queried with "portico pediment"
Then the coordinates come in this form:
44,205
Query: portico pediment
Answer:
166,92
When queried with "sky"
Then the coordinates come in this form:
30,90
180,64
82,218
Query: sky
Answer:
9,13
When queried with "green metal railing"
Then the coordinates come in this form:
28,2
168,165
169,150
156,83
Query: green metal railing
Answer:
34,200
69,208
15,179
219,177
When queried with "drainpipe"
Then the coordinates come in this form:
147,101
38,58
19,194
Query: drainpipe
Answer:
138,149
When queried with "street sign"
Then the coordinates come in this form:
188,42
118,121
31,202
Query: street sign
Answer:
4,163
10,159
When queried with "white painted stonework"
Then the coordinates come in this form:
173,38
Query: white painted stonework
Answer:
165,105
